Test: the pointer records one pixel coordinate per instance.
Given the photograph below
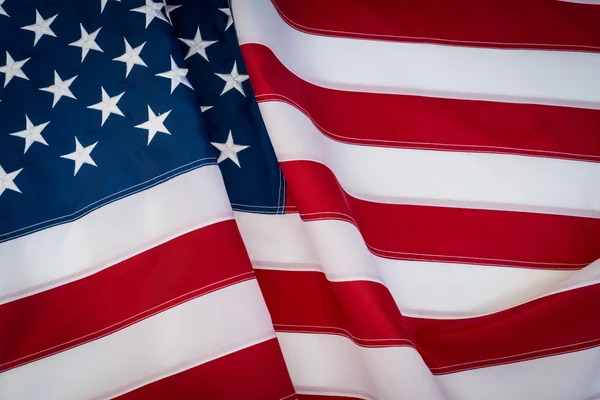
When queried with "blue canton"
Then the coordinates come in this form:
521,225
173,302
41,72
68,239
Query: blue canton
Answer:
100,99
258,185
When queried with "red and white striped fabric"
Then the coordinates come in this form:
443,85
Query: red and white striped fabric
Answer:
443,241
149,314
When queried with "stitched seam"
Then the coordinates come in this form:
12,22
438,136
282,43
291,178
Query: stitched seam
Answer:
376,346
89,208
279,192
105,329
475,258
519,360
255,206
284,183
490,361
597,340
353,140
353,221
312,30
481,264
346,332
260,212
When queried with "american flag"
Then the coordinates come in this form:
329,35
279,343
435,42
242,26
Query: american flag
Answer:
278,199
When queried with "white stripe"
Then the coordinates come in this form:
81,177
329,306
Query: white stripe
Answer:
182,367
115,232
276,238
191,333
334,365
521,76
566,376
454,179
421,289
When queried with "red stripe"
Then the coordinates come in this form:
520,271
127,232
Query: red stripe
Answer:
545,24
290,204
254,373
78,312
463,235
363,311
428,123
557,324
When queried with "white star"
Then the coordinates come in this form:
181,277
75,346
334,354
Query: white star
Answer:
152,10
103,4
12,68
131,57
155,124
233,80
7,180
81,155
60,88
197,45
169,9
2,12
41,27
229,150
205,108
227,11
31,134
87,42
108,105
176,75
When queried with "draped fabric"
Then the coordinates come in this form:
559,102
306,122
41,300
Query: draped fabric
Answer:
441,160
278,199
